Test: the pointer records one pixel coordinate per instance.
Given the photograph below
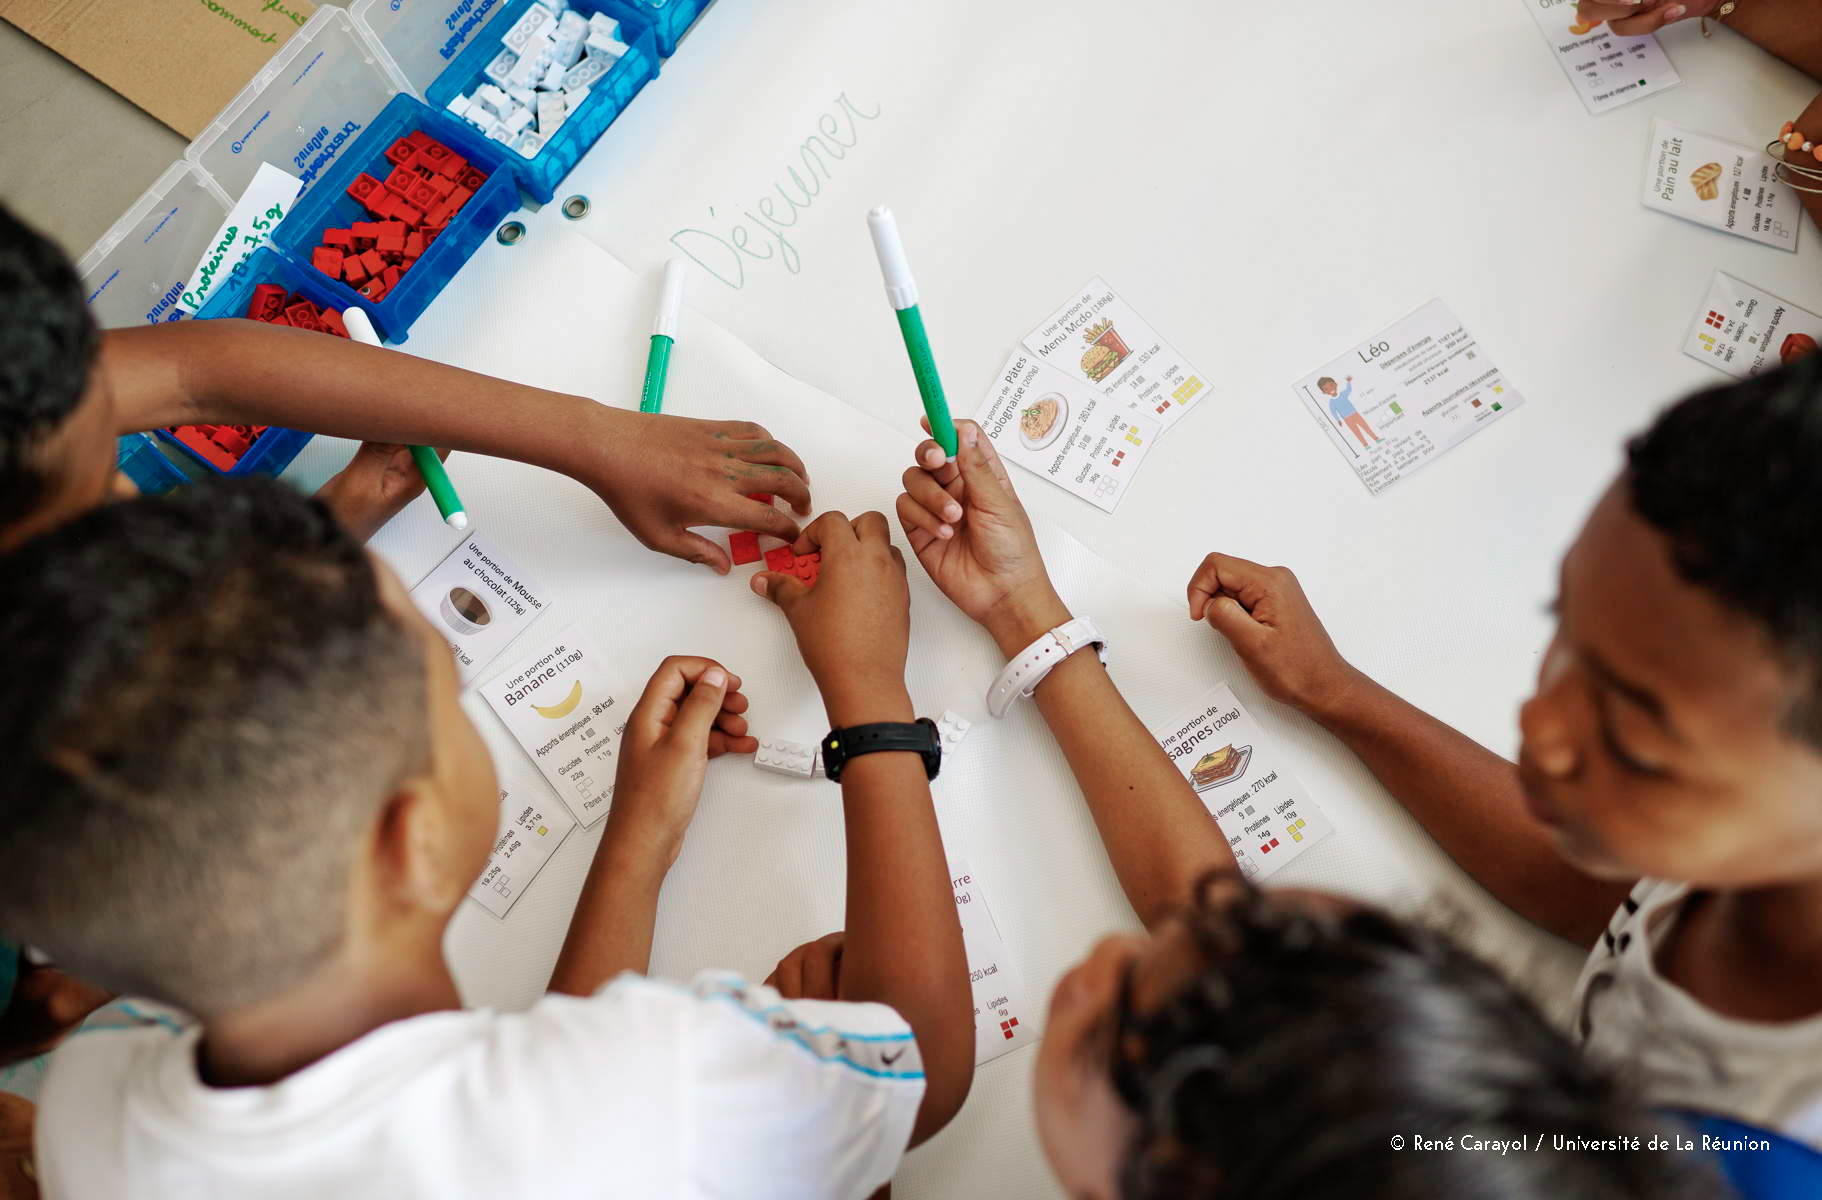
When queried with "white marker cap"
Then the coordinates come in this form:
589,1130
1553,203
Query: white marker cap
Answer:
360,329
901,289
670,299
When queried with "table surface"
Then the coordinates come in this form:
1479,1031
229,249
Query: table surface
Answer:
1267,187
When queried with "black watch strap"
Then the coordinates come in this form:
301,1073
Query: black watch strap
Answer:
919,737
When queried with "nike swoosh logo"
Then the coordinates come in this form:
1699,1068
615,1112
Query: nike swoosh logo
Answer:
889,1059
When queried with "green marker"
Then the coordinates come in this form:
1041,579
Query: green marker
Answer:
901,290
664,335
442,491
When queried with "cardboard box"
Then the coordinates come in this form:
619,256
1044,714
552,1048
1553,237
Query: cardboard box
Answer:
180,60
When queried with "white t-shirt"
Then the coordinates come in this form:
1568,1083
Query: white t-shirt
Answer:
643,1090
1680,1053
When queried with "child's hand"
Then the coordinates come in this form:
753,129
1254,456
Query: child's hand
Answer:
812,971
853,628
967,527
670,473
1264,615
379,481
690,712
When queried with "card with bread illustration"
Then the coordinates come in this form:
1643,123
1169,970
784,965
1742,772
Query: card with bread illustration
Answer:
1724,186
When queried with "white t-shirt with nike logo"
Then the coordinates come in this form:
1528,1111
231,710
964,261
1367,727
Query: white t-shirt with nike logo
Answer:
643,1090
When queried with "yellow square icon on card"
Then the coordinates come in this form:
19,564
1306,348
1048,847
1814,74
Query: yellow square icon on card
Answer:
543,830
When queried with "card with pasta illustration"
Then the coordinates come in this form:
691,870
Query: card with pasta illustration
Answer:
1059,427
1721,185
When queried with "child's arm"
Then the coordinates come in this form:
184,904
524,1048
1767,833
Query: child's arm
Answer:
1467,797
903,944
690,713
660,474
1158,835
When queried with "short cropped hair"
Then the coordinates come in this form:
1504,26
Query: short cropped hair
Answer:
1732,477
1310,1047
1326,381
47,348
207,707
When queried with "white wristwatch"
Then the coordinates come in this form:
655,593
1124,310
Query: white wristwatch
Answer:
1027,669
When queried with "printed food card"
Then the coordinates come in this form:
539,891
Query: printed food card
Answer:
1065,431
1097,339
1715,183
1606,69
479,601
1245,783
567,708
531,829
1002,1014
1743,330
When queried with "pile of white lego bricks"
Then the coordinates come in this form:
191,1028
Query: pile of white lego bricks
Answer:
784,757
552,56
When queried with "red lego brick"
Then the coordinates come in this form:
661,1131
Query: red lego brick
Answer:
363,187
422,195
332,322
437,215
472,179
744,547
303,316
432,156
401,152
353,270
383,202
450,168
419,139
373,289
367,230
460,196
442,184
392,243
806,567
407,212
414,244
780,559
397,228
400,181
277,318
327,260
341,239
762,497
372,261
268,298
390,277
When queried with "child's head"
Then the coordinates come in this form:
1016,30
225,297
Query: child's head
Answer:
235,757
1273,1045
1677,727
56,414
1327,385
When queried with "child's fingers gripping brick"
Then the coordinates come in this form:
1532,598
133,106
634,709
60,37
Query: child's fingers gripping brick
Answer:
780,559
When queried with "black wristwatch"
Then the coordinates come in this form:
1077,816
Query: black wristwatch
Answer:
840,745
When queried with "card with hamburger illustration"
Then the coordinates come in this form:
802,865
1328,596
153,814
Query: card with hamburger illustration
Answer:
566,706
1721,185
1245,783
1743,330
1098,340
1065,431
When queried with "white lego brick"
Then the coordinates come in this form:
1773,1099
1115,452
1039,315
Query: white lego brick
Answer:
518,120
567,52
528,144
574,96
522,96
586,73
458,106
492,100
499,133
572,24
552,109
501,67
525,73
603,24
553,76
952,727
607,49
783,757
527,27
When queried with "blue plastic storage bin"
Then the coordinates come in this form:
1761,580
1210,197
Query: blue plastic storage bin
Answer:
266,265
270,453
139,457
329,206
671,19
540,175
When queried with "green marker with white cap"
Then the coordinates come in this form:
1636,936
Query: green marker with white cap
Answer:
901,290
664,336
360,329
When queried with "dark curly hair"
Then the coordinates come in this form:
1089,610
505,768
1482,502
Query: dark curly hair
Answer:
47,345
1287,1065
1732,477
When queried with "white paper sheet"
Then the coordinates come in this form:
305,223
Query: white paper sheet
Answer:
248,227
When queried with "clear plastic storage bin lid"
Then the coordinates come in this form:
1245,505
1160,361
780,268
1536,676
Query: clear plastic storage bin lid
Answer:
422,37
135,273
302,109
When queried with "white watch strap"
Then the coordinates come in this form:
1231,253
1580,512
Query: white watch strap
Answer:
1028,668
